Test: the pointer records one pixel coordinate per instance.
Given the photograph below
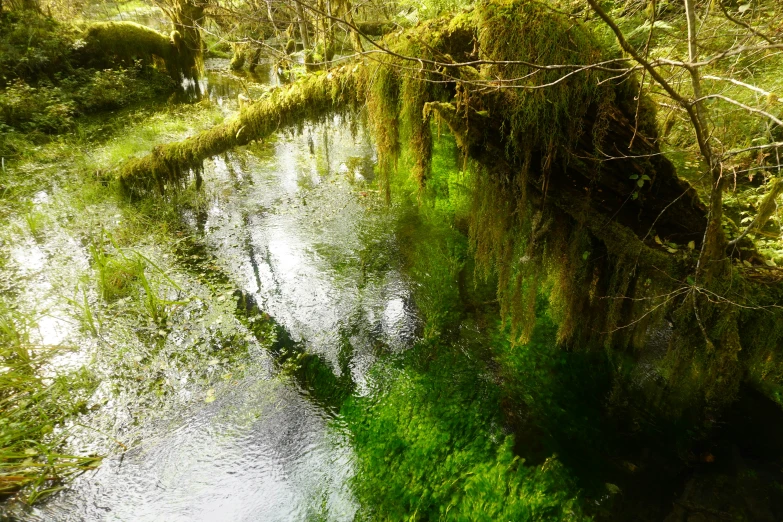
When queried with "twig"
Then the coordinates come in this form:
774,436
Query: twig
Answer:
739,104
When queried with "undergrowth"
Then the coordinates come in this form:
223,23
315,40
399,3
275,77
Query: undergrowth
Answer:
46,86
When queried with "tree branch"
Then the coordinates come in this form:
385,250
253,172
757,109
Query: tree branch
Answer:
739,104
743,24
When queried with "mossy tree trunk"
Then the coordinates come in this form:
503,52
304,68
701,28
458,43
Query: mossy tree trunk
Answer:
345,11
302,21
187,16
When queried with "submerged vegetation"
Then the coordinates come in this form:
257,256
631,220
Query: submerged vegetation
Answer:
596,305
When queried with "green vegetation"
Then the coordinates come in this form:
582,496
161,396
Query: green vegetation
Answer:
33,410
45,89
430,447
587,321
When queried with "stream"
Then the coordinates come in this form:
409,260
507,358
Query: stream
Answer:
287,224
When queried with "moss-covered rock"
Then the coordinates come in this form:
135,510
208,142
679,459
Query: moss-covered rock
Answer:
111,43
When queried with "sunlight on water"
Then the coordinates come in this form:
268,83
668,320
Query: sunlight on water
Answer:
287,223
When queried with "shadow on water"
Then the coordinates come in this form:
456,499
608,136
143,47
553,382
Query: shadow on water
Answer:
312,373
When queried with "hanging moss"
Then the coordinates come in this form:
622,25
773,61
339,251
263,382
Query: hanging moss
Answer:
532,32
383,98
605,242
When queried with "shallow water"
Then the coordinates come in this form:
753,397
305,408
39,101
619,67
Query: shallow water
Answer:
293,225
261,451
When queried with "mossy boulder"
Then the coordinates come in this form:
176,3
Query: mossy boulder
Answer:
123,43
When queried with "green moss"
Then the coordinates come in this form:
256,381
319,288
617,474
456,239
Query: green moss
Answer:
125,42
430,448
238,57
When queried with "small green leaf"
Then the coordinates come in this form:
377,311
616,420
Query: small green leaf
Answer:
691,245
634,195
690,280
633,176
640,183
646,177
585,255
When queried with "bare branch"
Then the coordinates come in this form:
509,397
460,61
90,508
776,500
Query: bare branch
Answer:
743,24
755,147
739,104
741,84
628,48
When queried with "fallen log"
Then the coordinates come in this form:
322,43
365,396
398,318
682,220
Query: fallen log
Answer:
571,191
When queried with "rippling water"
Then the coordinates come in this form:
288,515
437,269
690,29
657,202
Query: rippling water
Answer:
293,224
260,452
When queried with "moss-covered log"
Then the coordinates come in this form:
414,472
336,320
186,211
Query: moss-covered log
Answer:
168,166
110,43
375,28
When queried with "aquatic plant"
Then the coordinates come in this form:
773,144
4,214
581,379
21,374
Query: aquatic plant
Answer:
430,447
33,412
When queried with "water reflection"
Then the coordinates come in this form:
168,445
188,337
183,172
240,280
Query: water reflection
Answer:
292,227
260,452
290,223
